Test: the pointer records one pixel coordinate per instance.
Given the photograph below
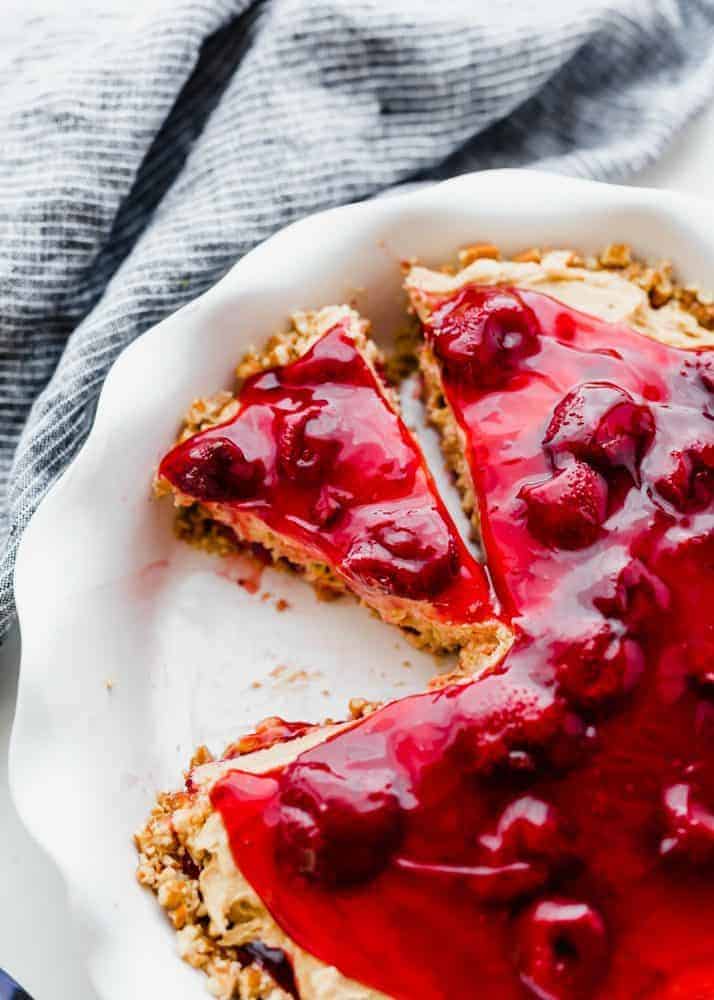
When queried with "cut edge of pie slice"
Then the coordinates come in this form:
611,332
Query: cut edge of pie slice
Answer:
344,527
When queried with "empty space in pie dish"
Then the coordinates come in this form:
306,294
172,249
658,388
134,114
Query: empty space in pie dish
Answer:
136,648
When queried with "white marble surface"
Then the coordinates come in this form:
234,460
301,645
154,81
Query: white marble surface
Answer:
37,940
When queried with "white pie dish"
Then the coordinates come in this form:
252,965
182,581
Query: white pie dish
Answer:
181,643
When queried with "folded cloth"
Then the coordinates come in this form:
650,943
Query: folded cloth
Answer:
143,151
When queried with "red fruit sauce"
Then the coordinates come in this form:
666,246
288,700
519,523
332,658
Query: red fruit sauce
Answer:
317,453
547,830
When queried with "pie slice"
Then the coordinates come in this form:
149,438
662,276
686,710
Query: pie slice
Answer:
312,462
555,411
583,445
222,926
545,830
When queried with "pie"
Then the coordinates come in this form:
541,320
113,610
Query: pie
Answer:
544,828
312,462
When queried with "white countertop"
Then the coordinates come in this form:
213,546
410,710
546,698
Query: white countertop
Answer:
38,944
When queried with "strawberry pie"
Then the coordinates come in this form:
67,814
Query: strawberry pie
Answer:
545,827
312,462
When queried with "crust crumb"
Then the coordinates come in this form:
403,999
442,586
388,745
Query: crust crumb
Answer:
616,255
532,256
207,412
201,755
360,707
702,310
478,251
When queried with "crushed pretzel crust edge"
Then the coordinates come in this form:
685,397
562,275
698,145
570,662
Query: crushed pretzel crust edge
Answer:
166,868
657,280
186,861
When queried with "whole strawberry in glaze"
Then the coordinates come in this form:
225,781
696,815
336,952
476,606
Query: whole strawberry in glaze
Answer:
602,665
413,556
483,333
528,844
529,827
307,445
689,483
567,511
517,859
601,424
212,469
508,725
563,949
639,596
335,831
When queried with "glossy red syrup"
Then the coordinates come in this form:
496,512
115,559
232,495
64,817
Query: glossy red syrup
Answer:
267,733
548,830
317,453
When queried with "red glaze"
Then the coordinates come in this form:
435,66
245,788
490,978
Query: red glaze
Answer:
268,732
317,453
562,949
547,830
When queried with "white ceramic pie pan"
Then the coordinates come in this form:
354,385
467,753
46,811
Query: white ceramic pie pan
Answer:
105,593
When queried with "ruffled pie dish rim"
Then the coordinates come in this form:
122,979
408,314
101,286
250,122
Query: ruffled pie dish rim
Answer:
513,208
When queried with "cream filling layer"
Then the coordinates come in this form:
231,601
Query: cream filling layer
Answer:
236,913
606,294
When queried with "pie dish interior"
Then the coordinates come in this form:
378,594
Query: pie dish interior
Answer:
548,644
116,749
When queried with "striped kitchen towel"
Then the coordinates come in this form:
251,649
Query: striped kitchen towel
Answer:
145,147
